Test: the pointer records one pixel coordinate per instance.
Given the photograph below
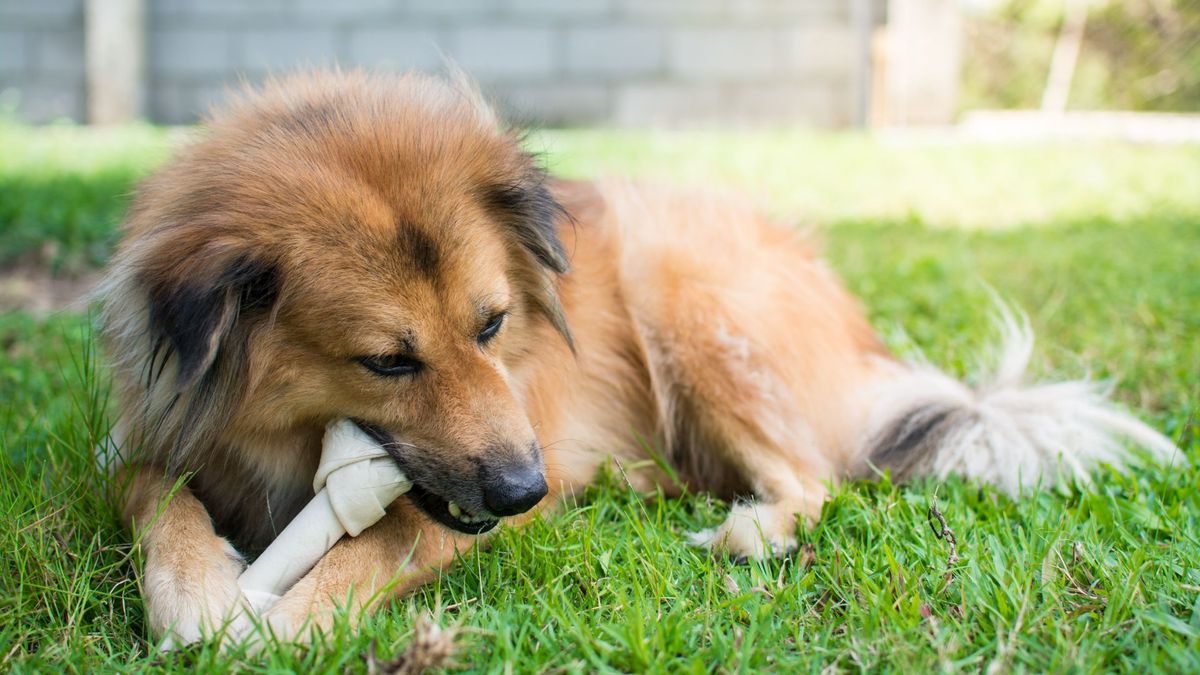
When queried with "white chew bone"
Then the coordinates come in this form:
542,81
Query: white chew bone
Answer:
355,482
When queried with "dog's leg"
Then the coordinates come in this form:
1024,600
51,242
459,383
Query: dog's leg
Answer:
190,577
736,423
399,553
756,354
786,494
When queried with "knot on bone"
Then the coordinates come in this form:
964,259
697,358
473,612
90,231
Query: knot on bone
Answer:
360,477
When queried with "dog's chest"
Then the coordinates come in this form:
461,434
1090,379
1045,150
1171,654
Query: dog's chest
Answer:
254,494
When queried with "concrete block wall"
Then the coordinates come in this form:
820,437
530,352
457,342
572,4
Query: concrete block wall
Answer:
41,59
621,62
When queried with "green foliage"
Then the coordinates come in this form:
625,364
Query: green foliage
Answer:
1136,55
63,189
1106,579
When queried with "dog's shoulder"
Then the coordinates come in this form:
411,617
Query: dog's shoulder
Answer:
581,199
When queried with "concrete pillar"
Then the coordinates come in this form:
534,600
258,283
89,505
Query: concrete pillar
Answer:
923,57
116,56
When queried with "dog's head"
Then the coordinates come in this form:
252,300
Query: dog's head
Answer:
375,248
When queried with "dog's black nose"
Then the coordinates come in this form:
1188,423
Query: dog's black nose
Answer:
513,488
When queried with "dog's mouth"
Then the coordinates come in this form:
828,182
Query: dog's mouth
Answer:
448,513
445,511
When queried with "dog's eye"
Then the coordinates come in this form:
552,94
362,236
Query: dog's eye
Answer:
392,365
489,331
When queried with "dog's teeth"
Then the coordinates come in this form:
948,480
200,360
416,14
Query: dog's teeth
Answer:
455,510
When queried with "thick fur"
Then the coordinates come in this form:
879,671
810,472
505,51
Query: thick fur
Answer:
329,218
1003,431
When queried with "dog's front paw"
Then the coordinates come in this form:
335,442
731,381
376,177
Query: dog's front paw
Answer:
192,593
752,531
296,618
251,633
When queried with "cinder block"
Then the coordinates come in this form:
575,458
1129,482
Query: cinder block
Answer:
670,9
561,8
619,51
774,10
396,48
39,102
12,52
790,104
243,9
505,52
668,105
59,52
473,9
185,103
343,9
823,49
190,52
722,53
287,49
552,104
42,13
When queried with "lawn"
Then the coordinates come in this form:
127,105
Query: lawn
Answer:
1100,244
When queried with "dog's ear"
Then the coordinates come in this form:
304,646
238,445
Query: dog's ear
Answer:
532,215
195,309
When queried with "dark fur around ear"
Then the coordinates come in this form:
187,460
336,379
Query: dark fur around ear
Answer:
545,300
532,215
194,315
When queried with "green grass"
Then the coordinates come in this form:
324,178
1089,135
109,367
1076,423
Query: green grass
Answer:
63,190
1100,244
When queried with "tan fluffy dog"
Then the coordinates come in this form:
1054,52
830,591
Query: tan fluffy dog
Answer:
380,248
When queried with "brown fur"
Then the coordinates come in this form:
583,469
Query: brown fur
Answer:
331,217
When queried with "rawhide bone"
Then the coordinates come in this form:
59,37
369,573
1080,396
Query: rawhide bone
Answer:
355,482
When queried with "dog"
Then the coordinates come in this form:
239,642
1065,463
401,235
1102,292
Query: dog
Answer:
382,248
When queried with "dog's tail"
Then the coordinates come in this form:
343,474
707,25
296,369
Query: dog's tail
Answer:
1003,431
